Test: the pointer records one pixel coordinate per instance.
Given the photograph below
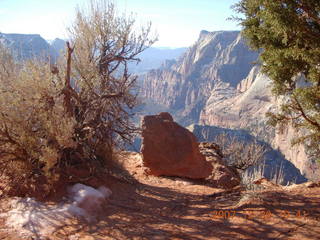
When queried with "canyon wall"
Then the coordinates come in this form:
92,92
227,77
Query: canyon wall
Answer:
218,82
218,60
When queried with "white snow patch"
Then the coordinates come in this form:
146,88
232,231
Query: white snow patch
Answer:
87,201
32,218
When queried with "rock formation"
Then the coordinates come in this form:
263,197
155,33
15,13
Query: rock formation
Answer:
59,45
218,83
273,161
218,60
222,175
247,109
171,150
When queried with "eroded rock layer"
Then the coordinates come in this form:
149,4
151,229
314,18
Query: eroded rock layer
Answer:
217,82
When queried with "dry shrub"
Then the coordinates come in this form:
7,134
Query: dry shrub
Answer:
248,177
238,153
243,154
67,118
247,156
34,128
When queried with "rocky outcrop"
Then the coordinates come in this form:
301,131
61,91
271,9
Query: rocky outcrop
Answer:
243,108
171,150
247,108
246,83
215,83
297,154
222,176
218,60
273,160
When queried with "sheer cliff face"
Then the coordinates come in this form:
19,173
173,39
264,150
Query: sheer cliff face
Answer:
246,109
218,60
216,83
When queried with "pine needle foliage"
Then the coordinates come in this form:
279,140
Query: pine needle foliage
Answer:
287,32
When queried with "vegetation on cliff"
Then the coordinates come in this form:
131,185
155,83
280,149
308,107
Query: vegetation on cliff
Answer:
288,33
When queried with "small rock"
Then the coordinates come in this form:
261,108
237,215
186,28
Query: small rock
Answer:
222,175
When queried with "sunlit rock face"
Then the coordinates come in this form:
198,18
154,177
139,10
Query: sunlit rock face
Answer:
247,108
244,107
169,149
217,82
217,60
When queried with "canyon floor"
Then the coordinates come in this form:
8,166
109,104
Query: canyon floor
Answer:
146,207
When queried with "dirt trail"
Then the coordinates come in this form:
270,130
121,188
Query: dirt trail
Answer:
145,207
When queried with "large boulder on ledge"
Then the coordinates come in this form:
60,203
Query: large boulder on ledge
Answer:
169,149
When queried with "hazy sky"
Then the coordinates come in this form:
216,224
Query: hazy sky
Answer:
178,22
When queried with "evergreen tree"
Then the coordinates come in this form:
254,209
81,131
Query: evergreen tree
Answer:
288,32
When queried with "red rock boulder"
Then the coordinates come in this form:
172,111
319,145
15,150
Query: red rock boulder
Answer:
169,149
222,175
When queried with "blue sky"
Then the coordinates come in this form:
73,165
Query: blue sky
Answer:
178,22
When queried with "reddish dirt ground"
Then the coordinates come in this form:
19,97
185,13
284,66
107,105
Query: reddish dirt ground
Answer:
145,207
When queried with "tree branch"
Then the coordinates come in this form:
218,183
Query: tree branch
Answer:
304,115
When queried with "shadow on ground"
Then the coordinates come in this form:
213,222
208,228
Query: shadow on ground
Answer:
140,211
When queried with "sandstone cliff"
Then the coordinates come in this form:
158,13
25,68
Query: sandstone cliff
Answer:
218,83
218,60
246,109
274,161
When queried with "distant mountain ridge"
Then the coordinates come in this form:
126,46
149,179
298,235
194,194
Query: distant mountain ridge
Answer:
153,58
26,46
58,45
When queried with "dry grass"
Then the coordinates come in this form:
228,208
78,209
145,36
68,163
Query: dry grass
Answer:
249,176
238,153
